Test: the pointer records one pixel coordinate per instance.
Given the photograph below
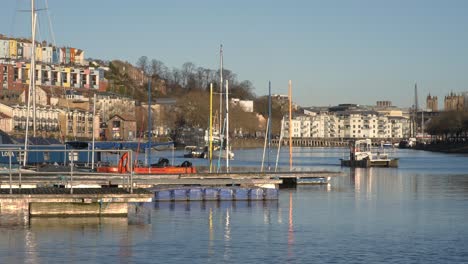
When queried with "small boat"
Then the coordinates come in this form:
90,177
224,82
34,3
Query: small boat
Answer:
312,180
360,155
195,152
407,143
161,167
223,153
386,144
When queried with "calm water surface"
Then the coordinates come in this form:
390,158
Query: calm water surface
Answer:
417,213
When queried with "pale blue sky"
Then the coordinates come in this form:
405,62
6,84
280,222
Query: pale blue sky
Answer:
346,51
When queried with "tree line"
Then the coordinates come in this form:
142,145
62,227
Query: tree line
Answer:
190,85
450,125
191,77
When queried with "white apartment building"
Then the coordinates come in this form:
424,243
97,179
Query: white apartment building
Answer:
245,105
348,124
296,131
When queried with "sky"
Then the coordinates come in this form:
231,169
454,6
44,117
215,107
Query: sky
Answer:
334,51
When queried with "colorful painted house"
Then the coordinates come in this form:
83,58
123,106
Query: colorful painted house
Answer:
19,50
4,48
67,56
72,55
55,55
38,53
47,54
13,48
79,57
27,50
67,80
63,54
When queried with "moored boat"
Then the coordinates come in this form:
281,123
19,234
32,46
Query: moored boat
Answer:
161,167
195,152
361,155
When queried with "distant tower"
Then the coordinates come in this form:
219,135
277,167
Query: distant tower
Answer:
432,103
414,122
454,102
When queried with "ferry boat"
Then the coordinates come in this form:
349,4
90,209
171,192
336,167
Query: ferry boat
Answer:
361,155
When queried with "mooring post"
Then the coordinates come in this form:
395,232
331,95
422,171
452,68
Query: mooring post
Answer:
19,172
9,157
131,171
71,171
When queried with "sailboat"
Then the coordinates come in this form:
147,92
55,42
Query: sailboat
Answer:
224,151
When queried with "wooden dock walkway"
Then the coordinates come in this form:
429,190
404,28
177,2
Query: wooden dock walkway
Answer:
97,180
36,194
38,202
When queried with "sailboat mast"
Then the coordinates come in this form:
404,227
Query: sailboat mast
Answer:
290,125
149,122
32,77
415,127
33,62
269,123
220,90
227,126
210,145
94,122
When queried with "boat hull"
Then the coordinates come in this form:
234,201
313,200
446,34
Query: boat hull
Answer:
164,170
312,181
151,170
367,163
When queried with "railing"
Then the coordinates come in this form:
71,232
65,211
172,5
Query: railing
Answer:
70,156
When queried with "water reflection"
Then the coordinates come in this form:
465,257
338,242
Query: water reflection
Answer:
290,228
372,183
30,248
411,210
211,233
227,236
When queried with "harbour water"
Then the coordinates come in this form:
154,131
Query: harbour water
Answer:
416,213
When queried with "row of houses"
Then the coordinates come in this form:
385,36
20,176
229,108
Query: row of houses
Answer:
15,75
69,115
21,50
58,122
349,123
65,123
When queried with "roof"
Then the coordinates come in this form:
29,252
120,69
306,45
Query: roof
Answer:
5,138
3,115
124,117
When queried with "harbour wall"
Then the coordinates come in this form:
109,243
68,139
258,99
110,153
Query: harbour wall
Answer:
303,142
445,147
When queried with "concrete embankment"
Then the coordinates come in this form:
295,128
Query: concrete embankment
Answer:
297,142
445,147
247,143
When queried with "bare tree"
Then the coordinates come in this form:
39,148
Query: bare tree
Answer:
157,68
187,72
176,77
143,64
